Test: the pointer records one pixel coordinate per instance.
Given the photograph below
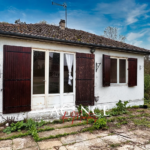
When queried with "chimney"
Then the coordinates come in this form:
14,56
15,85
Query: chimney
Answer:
62,24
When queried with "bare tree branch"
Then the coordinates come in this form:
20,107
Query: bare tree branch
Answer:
112,33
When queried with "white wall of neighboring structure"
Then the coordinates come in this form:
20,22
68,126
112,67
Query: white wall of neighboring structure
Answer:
107,95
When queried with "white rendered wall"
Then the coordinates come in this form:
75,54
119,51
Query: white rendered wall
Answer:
107,95
115,92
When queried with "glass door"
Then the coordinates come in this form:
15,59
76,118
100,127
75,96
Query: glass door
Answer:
54,73
38,72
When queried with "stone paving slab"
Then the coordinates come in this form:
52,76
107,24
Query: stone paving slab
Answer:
32,148
113,139
129,147
77,138
6,143
62,148
49,144
123,129
125,135
61,131
21,143
125,147
145,147
138,139
6,148
100,133
142,133
95,144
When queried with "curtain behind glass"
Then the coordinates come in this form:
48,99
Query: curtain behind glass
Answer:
68,73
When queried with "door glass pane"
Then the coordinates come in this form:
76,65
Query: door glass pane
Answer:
54,72
122,71
68,73
113,71
39,72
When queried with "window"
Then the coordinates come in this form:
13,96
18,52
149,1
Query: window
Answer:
117,70
122,71
113,71
38,72
53,72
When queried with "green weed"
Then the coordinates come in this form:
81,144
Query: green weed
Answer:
100,123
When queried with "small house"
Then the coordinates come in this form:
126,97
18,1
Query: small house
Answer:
42,66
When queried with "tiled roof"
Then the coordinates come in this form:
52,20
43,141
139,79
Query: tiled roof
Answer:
54,32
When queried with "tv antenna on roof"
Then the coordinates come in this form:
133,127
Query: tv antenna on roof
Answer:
65,7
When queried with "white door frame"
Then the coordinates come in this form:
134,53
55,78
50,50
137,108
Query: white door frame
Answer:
61,94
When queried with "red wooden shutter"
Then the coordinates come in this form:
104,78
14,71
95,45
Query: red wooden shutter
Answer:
132,72
106,70
16,79
84,79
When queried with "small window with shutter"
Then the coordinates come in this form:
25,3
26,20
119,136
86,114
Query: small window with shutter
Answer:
115,71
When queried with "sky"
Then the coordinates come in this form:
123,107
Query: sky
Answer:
131,17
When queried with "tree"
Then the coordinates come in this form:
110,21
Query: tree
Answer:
147,64
19,22
112,33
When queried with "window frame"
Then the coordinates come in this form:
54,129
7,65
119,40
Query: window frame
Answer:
118,58
32,63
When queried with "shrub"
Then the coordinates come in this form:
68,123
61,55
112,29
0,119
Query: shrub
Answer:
100,123
14,127
21,125
122,106
147,86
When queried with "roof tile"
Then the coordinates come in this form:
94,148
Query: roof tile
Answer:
51,31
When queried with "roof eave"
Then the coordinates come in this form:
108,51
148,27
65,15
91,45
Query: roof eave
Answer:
18,35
